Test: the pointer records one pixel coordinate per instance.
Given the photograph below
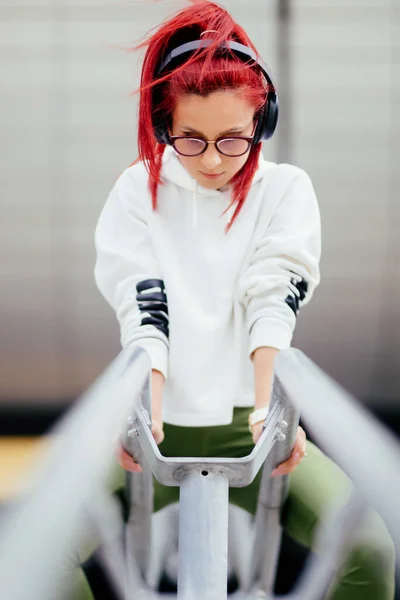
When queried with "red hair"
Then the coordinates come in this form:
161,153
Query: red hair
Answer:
205,72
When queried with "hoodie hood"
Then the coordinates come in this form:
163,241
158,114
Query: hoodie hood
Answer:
173,171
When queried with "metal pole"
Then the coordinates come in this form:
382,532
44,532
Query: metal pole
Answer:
139,487
81,456
362,447
335,539
272,495
203,536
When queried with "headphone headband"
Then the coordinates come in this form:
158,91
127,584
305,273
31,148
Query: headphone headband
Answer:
191,47
268,115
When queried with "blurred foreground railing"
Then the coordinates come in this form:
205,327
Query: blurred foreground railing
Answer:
40,530
70,486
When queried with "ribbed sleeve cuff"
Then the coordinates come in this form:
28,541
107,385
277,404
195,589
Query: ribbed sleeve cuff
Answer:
158,352
270,332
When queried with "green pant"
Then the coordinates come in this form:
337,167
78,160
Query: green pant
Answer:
315,483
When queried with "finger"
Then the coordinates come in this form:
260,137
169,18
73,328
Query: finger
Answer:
283,468
300,442
286,467
257,430
297,456
157,433
123,455
280,472
131,466
126,461
294,459
299,450
302,439
289,465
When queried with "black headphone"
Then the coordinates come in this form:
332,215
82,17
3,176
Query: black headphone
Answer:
268,117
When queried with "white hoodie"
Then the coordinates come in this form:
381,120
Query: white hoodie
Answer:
200,301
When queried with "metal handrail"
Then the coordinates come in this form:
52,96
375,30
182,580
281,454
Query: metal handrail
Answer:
239,471
38,531
204,483
355,440
297,383
72,477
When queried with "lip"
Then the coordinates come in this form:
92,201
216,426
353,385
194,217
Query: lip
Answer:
211,176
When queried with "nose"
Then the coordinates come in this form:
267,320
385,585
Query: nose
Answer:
211,158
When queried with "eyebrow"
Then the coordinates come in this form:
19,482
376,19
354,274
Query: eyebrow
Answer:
231,130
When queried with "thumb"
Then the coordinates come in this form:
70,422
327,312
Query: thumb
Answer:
157,432
257,430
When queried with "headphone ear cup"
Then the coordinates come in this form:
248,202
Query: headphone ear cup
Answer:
267,120
160,124
160,129
258,133
271,119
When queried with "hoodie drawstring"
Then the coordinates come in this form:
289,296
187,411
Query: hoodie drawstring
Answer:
194,204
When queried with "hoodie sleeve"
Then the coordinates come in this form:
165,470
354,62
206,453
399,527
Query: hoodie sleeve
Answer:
284,267
128,276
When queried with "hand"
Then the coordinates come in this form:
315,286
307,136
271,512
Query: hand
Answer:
126,461
298,453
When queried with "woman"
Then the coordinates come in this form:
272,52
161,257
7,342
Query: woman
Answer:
207,251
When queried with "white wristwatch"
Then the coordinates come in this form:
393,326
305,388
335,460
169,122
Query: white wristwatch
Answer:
258,416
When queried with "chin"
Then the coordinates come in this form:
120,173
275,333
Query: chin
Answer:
214,185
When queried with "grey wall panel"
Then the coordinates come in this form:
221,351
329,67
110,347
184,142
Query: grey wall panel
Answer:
344,86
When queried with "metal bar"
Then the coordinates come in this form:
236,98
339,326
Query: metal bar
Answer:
285,94
106,516
203,535
365,450
240,471
138,527
240,544
273,492
81,456
139,488
164,546
76,465
334,542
